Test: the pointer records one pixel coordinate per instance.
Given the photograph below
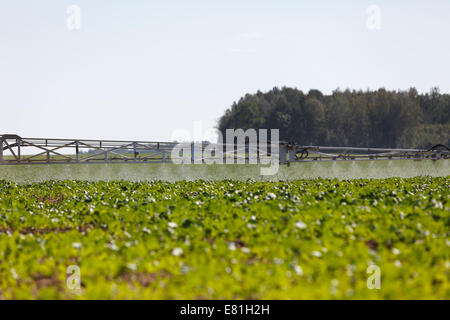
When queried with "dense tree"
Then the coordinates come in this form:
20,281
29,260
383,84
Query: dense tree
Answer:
378,118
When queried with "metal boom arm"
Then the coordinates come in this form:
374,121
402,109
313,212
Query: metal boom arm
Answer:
13,150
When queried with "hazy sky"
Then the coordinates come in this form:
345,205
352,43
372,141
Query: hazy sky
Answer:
142,69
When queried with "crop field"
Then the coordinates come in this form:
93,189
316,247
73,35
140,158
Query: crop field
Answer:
172,172
228,239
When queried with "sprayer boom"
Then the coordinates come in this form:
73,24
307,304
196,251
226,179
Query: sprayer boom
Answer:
17,150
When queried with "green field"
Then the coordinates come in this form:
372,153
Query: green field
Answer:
172,172
229,239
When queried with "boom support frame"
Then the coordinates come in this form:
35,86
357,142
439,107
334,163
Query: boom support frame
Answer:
51,151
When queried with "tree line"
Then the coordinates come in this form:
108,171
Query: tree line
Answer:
380,118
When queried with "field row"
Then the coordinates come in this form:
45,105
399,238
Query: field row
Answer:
226,239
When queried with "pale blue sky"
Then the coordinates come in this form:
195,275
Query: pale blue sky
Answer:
141,69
